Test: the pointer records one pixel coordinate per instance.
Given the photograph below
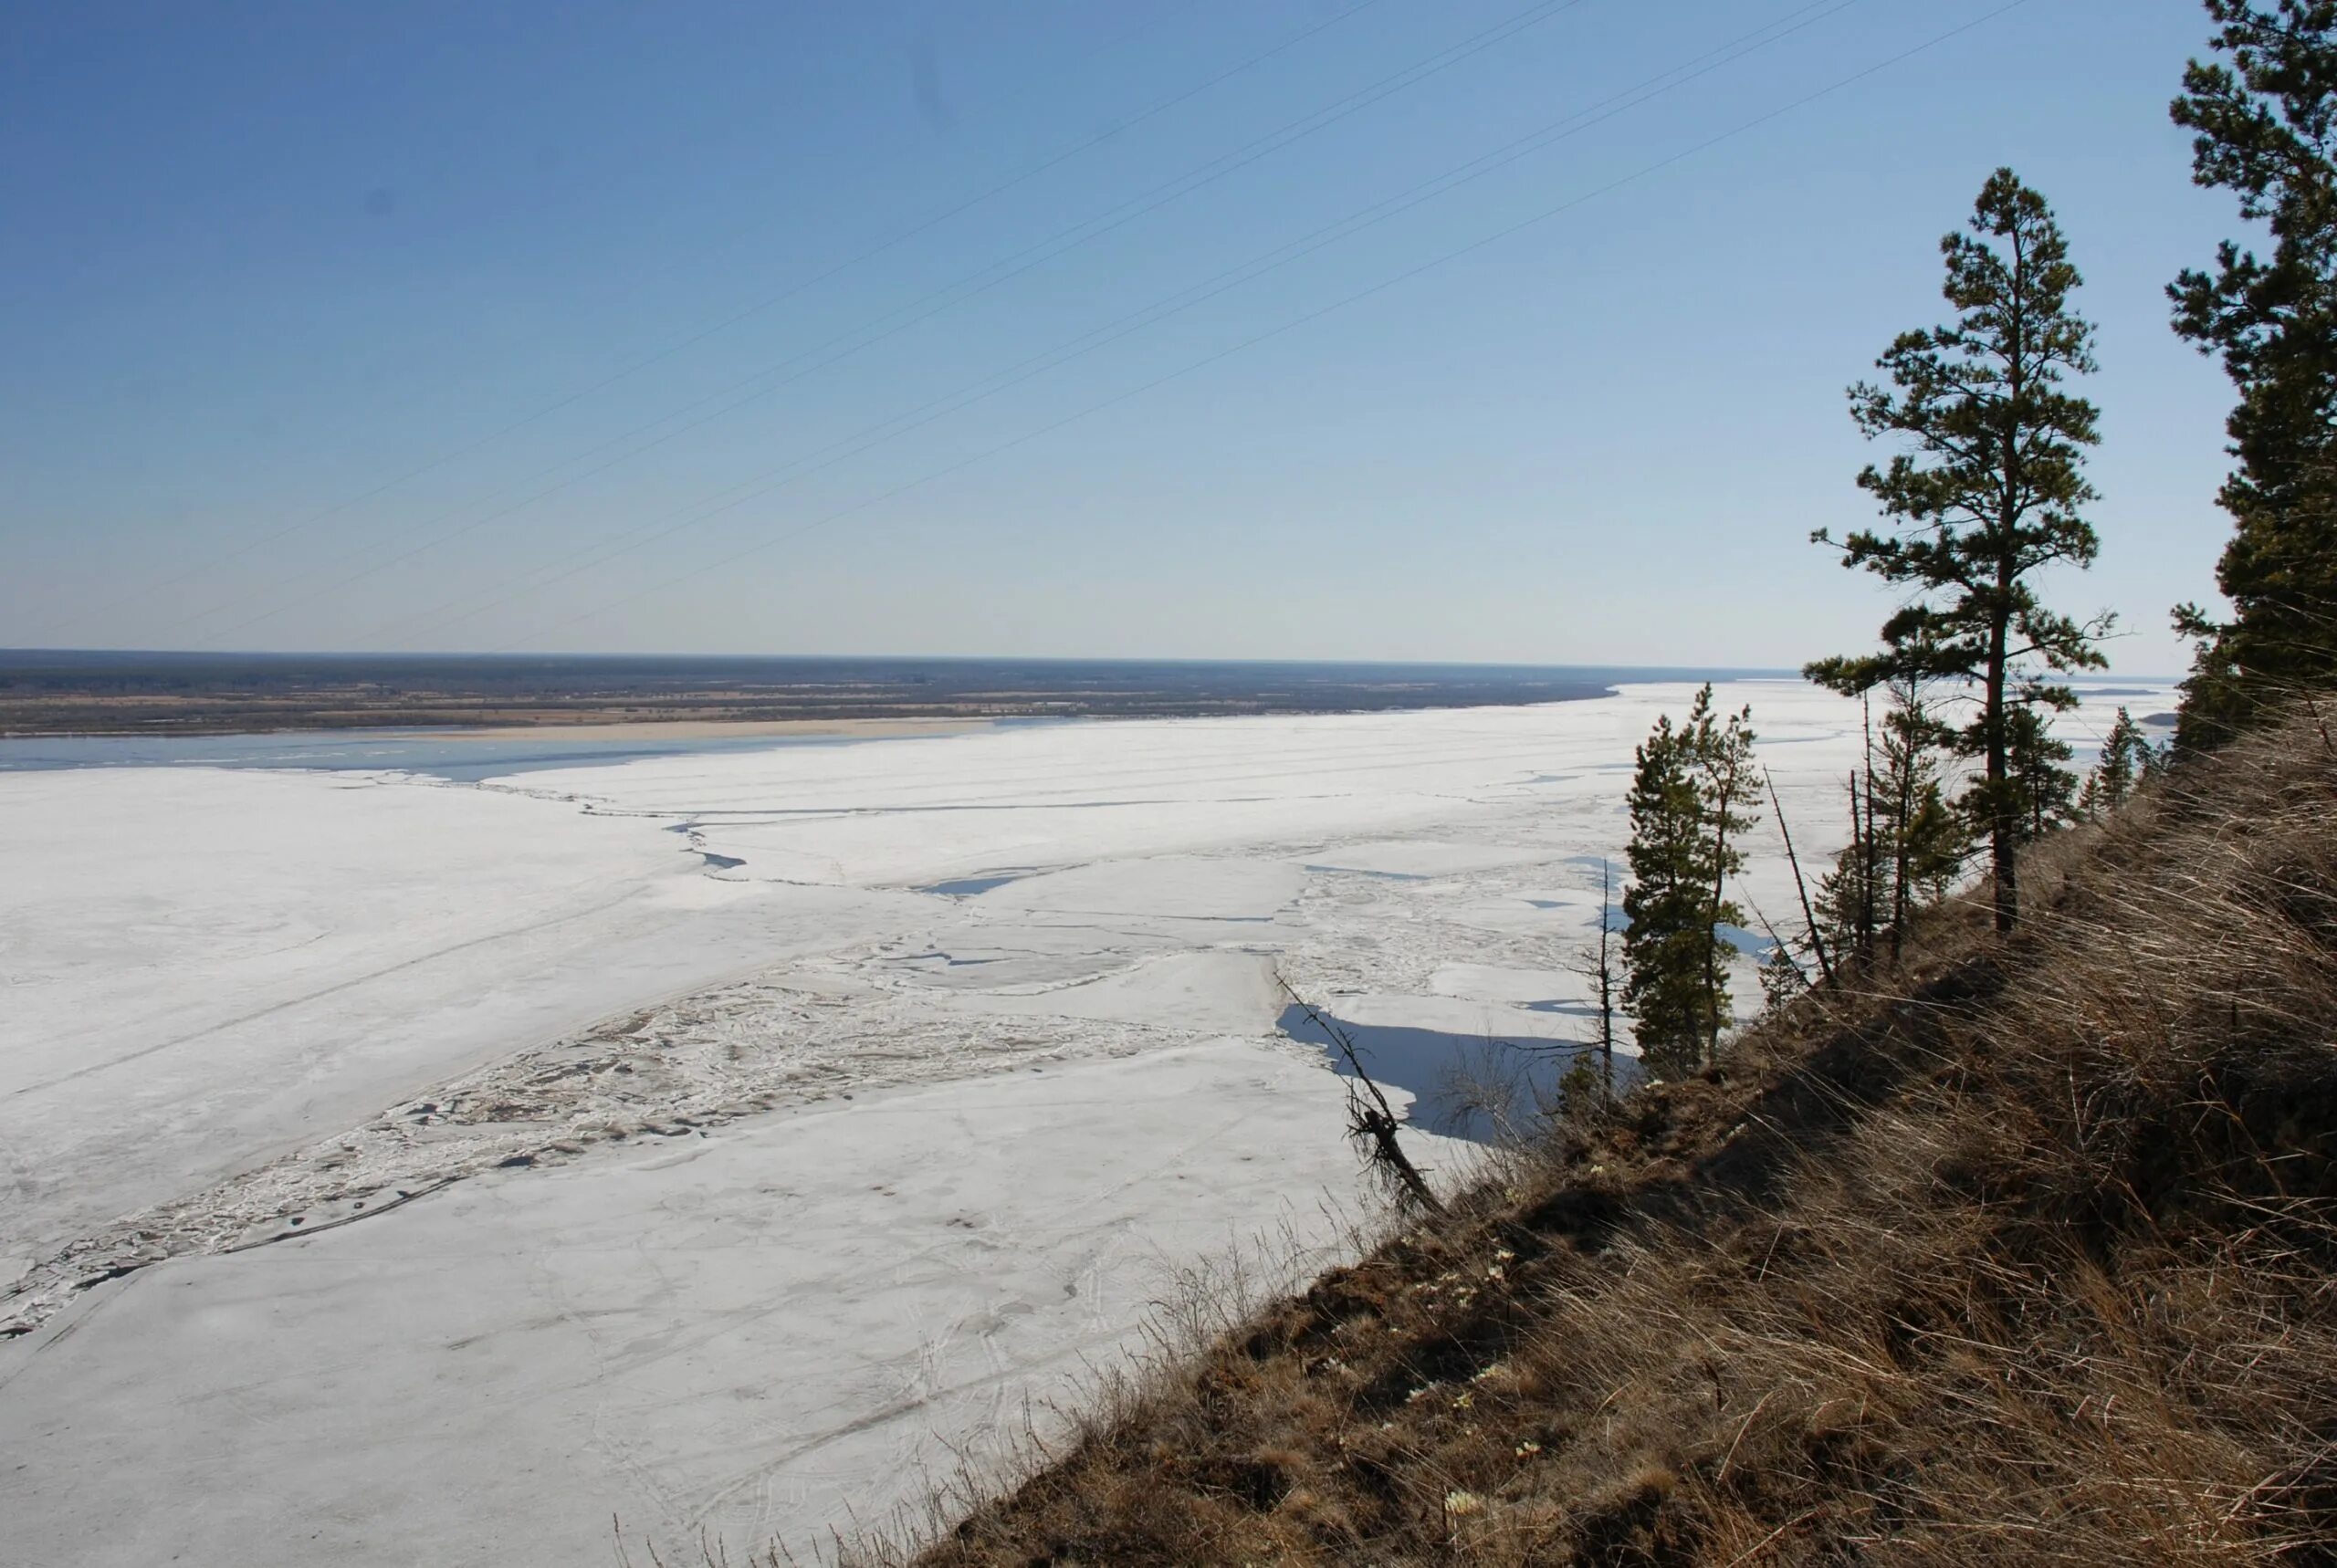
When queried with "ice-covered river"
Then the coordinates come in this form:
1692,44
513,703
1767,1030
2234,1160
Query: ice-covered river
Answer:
735,1135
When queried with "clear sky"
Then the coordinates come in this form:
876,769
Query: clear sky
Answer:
607,326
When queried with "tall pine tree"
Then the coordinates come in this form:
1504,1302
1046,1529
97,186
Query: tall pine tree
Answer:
1928,841
1906,844
2046,789
2125,762
2265,125
1989,495
1691,805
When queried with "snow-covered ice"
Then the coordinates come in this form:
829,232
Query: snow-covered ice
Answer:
793,1321
723,1194
202,968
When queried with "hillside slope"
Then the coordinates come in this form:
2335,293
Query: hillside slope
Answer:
2023,1254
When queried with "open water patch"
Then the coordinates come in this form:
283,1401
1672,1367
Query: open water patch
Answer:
456,755
974,886
1460,1083
1615,919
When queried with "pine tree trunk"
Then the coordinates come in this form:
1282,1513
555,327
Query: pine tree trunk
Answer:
1904,780
1870,920
1800,887
1870,870
1711,939
2004,811
1606,980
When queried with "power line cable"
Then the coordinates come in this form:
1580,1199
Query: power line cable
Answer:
775,540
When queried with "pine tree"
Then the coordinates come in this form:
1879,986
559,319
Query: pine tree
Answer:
2046,791
1596,964
2126,760
1989,496
1906,845
1929,843
1725,768
1849,894
2265,126
1934,849
1690,805
1662,964
1782,977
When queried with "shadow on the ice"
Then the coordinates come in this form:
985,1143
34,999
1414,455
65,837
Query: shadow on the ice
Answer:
1462,1086
974,886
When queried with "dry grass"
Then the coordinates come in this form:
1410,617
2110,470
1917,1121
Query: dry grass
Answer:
2020,1255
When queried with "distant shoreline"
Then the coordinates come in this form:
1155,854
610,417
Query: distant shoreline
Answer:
580,725
594,727
54,695
722,729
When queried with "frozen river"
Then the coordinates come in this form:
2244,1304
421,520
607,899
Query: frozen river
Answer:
736,1134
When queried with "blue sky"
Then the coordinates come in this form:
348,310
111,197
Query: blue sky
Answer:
652,327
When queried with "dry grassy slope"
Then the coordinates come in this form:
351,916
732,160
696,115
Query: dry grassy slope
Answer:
2023,1255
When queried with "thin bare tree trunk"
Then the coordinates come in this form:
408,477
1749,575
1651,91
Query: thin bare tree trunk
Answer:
1902,819
2003,810
1862,939
1810,919
1372,1124
1869,872
1720,883
1606,975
